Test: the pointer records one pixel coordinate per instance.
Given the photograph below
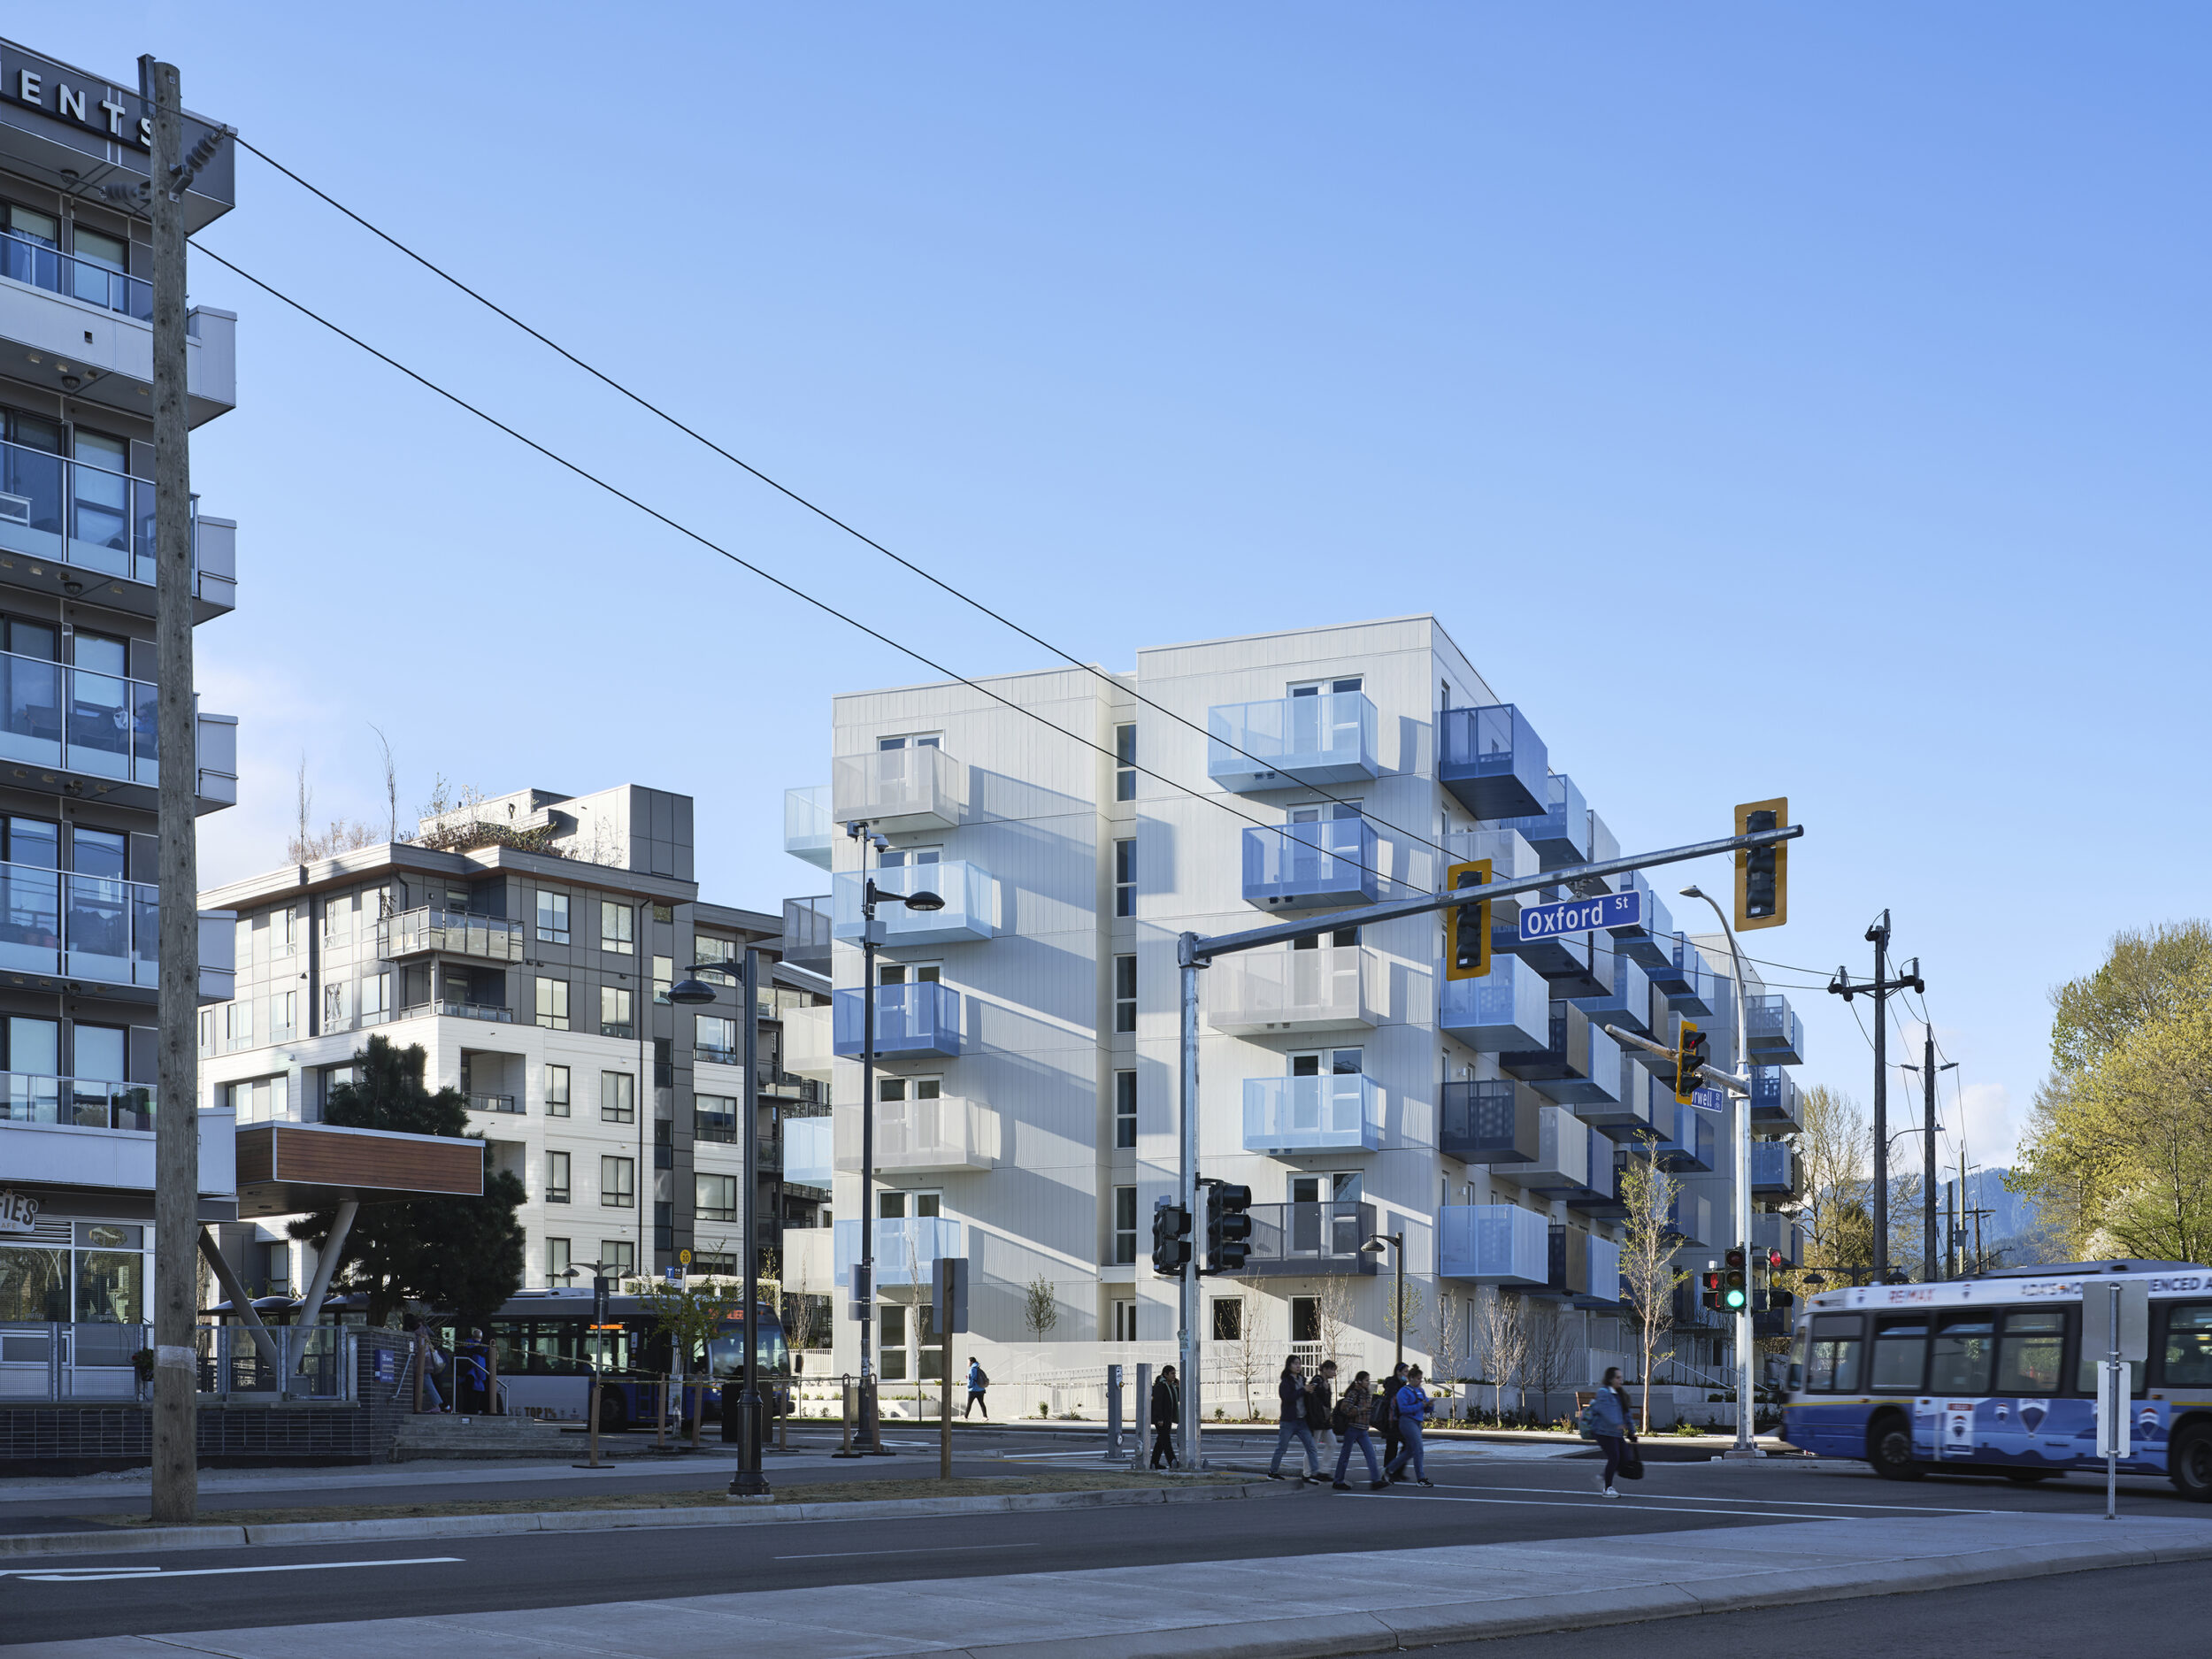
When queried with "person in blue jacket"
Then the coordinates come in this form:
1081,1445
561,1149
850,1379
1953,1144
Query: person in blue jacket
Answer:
1606,1416
1413,1411
1290,1392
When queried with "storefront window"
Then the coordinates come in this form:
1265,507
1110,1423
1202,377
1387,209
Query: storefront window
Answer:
110,1281
33,1285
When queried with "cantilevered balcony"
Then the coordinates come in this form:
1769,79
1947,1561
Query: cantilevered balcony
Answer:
1777,1036
1494,1122
1331,987
1687,979
1492,761
80,927
1580,1064
1494,1244
1312,866
1309,1240
913,1022
1562,1161
806,933
1511,857
1506,1011
906,1251
899,790
809,1151
1602,1291
1691,1220
1561,832
965,918
1286,743
807,1051
102,732
1609,1168
428,930
75,1102
1687,1148
1290,1115
64,521
1774,1099
1650,946
1774,1172
1627,1003
809,829
938,1136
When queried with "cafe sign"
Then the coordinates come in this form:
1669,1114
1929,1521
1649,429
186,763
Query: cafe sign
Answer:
19,1211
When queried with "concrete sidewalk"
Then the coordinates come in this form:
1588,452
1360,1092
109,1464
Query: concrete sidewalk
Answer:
1374,1601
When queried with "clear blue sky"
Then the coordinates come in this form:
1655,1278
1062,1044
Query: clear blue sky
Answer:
1771,400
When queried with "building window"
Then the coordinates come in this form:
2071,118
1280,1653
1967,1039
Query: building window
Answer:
1125,994
207,1031
284,1012
614,1012
262,1100
337,1006
618,1184
718,1263
707,947
715,1038
376,995
619,1257
891,1354
1228,1318
1305,1319
714,1117
556,1261
238,1026
288,926
618,924
1124,763
618,1097
1124,1108
1125,876
553,1005
552,917
1125,1322
556,1178
337,916
717,1197
664,978
556,1091
1124,1225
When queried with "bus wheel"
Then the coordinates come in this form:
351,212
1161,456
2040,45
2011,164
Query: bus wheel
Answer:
1889,1448
613,1416
2189,1462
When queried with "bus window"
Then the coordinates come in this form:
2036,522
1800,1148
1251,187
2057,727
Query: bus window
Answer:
2031,1358
1901,1353
1834,1365
1797,1361
2188,1362
1965,1345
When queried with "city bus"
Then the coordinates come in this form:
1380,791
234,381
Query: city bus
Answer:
1986,1375
548,1349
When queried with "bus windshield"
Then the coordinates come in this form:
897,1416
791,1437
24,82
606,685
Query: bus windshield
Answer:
725,1355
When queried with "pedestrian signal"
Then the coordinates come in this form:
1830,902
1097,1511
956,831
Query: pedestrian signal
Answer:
1709,1289
1467,956
1762,874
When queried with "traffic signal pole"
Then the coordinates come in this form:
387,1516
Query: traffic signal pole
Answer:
1186,1339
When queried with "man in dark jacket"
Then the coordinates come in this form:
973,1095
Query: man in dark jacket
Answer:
1167,1413
1290,1394
1386,1412
1321,1406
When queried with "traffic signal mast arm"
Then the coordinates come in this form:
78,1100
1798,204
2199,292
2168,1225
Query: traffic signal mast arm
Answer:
1197,949
1726,1080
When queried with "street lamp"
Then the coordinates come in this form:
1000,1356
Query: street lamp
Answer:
869,1439
1745,1443
1397,1241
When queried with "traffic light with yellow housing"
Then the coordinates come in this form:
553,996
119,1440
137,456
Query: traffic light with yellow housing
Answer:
1468,954
1762,874
1690,1046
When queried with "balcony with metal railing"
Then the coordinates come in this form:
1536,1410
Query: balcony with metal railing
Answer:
32,262
1562,1165
1311,867
806,933
1608,1170
1626,1002
1579,1065
1687,980
81,927
67,514
1321,1240
1601,1288
1329,987
1775,1102
967,917
810,828
1687,1147
105,727
1494,1244
507,1103
1506,1011
899,790
71,1102
457,1008
1774,1172
1649,945
1770,1231
1492,761
1690,1221
428,930
1291,1115
913,1022
1561,832
1286,743
939,1136
1493,1122
906,1251
1775,1036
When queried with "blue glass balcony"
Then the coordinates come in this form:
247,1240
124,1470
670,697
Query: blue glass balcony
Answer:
1284,742
1691,1222
906,1251
1494,1244
1608,1164
913,1022
1604,1276
809,830
1494,1122
1774,1099
1312,1114
966,918
1626,1004
1311,866
1688,1150
1650,946
1492,761
1773,1170
1777,1037
1508,1009
807,1150
1560,833
1580,1064
1686,979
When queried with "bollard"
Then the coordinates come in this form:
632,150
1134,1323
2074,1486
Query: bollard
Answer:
1144,1417
1114,1452
845,1449
660,1415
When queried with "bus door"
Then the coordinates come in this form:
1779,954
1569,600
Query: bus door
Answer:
1898,1367
2030,1423
1960,1361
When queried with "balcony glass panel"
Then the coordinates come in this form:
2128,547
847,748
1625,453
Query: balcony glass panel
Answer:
453,932
938,1136
1580,1066
1562,1160
1649,946
72,512
1688,1150
1493,1122
1608,1164
1690,1221
1310,1239
899,790
1329,987
98,725
1312,1114
25,259
1687,980
1508,1009
912,1020
1511,857
966,918
1628,1003
1282,742
809,828
1774,1098
1560,833
906,1252
75,1102
808,1150
1603,1278
1777,1036
1494,1244
1773,1170
1305,866
1493,762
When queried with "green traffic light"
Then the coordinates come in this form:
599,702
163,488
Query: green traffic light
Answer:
1735,1298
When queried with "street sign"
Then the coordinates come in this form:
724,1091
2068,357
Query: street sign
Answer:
673,1274
684,1256
2096,1320
1711,1100
949,1295
1582,916
2114,1409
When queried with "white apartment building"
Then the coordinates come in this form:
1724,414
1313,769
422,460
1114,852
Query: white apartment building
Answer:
1026,1114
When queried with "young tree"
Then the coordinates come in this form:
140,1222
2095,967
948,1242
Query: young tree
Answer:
689,1314
1549,1366
1401,1310
1648,1275
1332,1310
1501,1328
1041,1307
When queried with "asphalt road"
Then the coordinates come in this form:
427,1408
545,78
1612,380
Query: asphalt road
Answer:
1472,1503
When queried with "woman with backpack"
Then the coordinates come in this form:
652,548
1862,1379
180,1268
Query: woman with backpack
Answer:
1290,1394
1413,1409
1351,1429
1605,1421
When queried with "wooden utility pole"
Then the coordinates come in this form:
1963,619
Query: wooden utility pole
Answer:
176,1479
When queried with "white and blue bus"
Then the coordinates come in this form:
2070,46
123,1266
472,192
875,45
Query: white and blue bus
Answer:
1987,1375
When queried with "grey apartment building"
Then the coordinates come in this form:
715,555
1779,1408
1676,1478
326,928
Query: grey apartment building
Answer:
527,943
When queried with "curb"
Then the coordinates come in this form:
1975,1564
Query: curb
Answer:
599,1520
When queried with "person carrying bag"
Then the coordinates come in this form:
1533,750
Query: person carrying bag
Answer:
1606,1420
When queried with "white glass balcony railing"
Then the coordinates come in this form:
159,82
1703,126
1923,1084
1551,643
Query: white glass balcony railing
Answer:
75,1102
899,790
102,725
425,929
809,828
75,513
941,1136
1282,742
807,1151
966,917
1312,1114
906,1251
86,927
1331,987
1495,1244
23,259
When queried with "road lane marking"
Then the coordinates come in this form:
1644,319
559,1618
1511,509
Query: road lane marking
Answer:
100,1575
941,1549
1593,1501
1818,1503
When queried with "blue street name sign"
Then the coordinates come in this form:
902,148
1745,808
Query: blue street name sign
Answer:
1711,1099
1582,916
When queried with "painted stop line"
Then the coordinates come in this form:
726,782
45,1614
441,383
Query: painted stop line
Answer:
106,1575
